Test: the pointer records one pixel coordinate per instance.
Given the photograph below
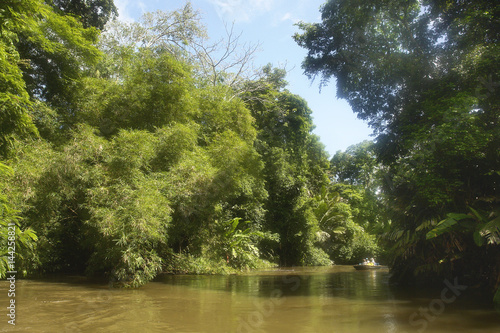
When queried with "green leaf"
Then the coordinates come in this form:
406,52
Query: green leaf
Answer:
442,227
458,216
476,214
234,225
496,299
478,238
495,223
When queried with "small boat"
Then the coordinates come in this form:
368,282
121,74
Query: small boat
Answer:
363,267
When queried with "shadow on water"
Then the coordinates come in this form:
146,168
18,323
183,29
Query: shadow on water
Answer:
336,281
451,307
306,300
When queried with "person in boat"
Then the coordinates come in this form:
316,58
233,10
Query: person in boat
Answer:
372,262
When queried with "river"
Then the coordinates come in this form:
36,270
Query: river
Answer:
306,300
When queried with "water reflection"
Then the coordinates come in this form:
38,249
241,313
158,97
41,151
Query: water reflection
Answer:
341,281
337,299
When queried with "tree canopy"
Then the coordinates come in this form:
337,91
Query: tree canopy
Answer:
92,13
173,154
170,153
424,75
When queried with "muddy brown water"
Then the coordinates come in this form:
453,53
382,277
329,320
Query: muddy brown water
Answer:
305,300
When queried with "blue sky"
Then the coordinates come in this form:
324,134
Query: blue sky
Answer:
271,23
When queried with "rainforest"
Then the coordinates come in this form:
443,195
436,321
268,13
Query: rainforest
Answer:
128,150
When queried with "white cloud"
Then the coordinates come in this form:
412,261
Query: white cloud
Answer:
242,10
287,16
142,6
123,10
130,10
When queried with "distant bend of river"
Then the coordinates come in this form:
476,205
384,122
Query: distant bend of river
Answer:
306,300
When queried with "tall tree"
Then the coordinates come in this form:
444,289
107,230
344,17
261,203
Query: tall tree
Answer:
355,166
424,75
92,13
358,177
392,58
15,104
56,50
155,166
224,62
295,167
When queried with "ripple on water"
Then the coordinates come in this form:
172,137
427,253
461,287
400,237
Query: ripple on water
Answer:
303,300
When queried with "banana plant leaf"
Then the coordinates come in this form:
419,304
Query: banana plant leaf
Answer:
447,225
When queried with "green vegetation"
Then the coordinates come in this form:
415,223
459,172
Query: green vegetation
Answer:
156,157
164,156
424,74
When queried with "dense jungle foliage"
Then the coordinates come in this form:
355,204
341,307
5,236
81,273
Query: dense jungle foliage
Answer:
130,149
425,75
